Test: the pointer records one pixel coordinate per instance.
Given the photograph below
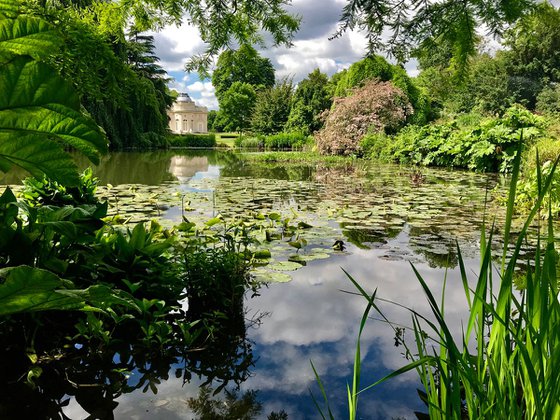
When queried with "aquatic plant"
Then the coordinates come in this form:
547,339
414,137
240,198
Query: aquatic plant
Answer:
506,362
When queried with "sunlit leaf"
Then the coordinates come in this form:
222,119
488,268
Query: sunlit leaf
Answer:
39,116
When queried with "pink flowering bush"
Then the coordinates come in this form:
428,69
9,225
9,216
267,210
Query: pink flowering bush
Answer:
375,107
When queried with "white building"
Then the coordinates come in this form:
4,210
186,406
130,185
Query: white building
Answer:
187,117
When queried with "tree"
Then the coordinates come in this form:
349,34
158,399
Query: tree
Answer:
212,115
119,80
310,99
242,65
533,54
237,106
485,86
272,108
413,24
376,67
376,107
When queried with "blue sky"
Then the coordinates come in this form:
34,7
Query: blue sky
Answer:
311,49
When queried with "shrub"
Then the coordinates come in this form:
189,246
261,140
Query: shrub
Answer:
466,141
193,140
548,101
376,107
294,140
249,142
377,146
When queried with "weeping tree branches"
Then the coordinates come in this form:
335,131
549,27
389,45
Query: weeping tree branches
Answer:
399,27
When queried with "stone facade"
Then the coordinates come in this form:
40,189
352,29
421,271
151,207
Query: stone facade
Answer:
187,117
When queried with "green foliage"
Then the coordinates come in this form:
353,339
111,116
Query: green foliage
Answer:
485,86
292,140
539,160
310,100
548,100
479,144
281,141
41,112
44,191
193,140
390,26
212,115
533,58
243,65
236,107
272,108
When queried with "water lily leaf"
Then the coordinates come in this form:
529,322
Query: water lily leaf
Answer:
284,266
262,254
213,221
304,225
272,277
186,226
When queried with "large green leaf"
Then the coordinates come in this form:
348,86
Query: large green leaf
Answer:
27,35
39,116
29,289
32,289
9,8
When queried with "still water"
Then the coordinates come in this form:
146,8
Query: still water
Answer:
388,217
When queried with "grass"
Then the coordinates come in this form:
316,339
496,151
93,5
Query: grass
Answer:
295,157
512,373
226,139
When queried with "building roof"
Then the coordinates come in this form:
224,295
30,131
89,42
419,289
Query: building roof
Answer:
184,97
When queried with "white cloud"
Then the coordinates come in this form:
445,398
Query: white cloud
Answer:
201,87
175,45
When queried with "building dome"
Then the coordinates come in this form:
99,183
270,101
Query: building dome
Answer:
184,97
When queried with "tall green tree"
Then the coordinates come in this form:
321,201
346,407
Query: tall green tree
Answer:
533,53
236,107
376,67
310,99
243,65
272,108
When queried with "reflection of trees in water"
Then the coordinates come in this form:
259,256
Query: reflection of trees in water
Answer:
231,406
94,374
259,170
379,201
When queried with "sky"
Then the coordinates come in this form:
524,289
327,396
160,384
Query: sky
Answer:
311,49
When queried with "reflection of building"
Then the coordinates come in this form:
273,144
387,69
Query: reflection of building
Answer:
187,117
184,167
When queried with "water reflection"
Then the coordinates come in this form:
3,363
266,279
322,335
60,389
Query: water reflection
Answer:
388,216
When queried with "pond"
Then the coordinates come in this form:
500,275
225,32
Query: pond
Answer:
387,217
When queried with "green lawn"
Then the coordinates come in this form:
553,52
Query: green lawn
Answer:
226,139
